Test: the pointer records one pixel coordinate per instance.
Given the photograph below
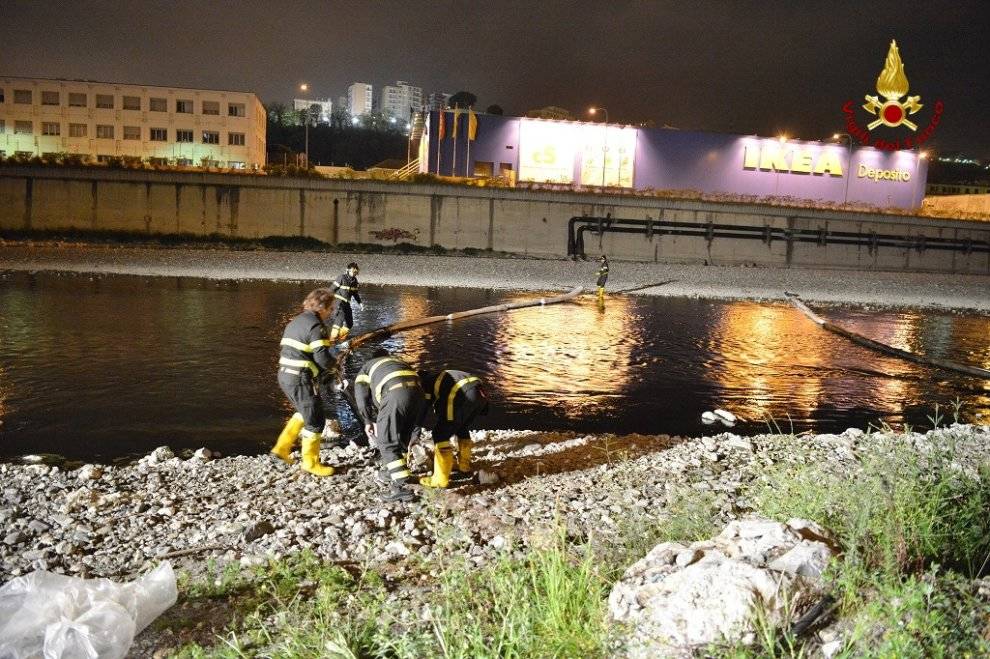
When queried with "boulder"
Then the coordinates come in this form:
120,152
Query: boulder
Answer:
682,598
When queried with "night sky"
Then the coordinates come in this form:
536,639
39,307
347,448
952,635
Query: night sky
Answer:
748,67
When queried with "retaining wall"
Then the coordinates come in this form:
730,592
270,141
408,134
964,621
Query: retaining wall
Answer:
522,221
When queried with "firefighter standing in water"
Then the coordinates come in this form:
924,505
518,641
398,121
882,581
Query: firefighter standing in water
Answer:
457,399
602,277
306,360
390,400
345,287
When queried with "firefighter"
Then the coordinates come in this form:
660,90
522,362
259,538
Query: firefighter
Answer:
345,288
457,399
306,360
389,400
602,277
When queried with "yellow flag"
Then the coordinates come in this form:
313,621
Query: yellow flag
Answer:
472,125
457,116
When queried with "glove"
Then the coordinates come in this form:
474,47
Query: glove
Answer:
361,306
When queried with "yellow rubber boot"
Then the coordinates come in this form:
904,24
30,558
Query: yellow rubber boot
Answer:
311,457
286,440
443,462
464,455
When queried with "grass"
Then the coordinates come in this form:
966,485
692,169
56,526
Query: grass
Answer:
913,529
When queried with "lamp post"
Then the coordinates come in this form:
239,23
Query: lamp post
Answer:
593,111
849,162
922,155
303,88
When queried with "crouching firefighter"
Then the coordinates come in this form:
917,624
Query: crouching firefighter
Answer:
345,288
457,399
389,400
306,361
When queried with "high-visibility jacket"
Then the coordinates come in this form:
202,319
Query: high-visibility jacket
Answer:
377,379
445,390
306,346
345,287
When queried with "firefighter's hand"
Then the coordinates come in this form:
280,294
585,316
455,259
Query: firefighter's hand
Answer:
369,430
361,306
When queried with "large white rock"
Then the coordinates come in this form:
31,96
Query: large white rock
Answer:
681,597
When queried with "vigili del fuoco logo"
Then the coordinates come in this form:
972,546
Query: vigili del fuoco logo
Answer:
888,110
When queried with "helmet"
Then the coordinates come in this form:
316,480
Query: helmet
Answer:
602,258
353,265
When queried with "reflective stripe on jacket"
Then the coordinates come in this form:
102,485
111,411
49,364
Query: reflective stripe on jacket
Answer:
306,344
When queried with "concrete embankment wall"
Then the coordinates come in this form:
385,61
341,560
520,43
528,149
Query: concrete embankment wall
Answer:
522,221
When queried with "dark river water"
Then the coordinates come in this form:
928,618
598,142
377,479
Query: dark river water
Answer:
107,367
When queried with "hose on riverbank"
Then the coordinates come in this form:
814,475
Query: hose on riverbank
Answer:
966,369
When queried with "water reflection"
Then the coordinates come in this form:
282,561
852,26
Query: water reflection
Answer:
570,356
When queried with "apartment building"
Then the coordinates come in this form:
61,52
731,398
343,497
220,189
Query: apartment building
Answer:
401,100
437,101
103,120
359,99
319,116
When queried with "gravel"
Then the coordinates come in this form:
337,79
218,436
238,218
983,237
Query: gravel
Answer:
896,289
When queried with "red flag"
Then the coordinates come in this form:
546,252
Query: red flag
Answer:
440,127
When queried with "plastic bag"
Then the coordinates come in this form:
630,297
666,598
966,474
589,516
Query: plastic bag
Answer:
50,615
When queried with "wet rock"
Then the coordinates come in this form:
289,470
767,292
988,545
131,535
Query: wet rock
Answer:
90,472
203,454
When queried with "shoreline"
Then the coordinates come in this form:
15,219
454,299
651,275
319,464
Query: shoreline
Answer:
829,287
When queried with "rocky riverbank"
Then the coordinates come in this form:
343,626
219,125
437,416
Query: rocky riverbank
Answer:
118,520
893,289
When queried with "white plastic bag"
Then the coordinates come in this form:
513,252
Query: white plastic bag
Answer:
49,615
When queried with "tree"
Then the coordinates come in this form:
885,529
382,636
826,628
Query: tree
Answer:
495,109
340,117
278,114
551,112
462,100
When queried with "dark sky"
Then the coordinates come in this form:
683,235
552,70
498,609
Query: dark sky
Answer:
750,67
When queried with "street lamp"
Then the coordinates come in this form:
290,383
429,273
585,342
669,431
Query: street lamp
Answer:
593,111
304,88
849,162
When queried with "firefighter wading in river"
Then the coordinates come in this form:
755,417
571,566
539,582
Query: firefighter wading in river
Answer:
389,399
345,287
306,360
457,398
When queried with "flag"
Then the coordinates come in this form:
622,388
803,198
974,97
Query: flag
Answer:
472,125
440,127
457,116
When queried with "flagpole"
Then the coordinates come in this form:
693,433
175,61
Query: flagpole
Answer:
467,161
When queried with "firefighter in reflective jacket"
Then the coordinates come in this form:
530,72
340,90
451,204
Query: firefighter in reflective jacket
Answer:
389,400
457,399
345,288
306,359
602,277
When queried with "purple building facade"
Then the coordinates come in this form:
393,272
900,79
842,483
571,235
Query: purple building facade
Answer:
593,154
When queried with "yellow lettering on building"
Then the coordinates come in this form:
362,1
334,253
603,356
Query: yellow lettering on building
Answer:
829,163
772,158
802,162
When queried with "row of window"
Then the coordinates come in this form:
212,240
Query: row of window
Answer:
107,132
108,102
105,159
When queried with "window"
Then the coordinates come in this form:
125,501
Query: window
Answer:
211,137
235,164
211,107
77,100
1,94
235,139
77,130
104,101
104,159
52,128
132,132
132,103
185,107
184,162
183,136
23,96
158,161
158,134
236,110
23,128
104,132
158,104
49,98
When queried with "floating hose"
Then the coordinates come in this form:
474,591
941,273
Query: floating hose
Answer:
975,371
